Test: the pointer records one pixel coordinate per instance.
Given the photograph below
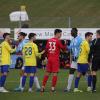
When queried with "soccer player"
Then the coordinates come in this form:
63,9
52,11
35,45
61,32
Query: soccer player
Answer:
53,48
5,51
95,57
74,52
82,61
30,52
22,42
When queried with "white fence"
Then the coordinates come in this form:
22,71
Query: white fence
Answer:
46,33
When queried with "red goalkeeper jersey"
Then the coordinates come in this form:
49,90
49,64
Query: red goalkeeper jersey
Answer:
53,48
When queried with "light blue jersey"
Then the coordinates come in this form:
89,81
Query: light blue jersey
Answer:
75,46
21,45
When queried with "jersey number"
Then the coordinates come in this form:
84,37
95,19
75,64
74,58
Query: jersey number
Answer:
52,46
28,51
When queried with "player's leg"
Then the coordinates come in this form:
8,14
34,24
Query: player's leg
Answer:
0,76
77,79
32,74
20,84
21,74
47,74
71,76
94,81
36,82
31,81
87,73
89,80
95,66
54,81
45,79
55,70
4,71
26,71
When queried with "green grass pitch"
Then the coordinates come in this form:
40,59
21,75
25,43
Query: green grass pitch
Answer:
13,81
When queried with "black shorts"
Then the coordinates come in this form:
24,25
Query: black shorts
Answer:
96,64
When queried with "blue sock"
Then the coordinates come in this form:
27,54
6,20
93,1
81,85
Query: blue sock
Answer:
2,81
89,80
77,82
31,81
23,81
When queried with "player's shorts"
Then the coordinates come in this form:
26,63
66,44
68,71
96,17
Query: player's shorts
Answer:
96,64
30,69
53,65
83,68
73,65
4,68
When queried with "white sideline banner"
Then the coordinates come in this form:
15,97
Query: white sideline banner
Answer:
4,30
47,33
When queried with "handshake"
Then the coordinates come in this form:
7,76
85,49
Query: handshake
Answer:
13,44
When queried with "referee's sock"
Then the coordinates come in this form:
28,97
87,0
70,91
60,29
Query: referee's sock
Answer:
94,80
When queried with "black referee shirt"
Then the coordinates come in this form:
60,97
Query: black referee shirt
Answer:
95,49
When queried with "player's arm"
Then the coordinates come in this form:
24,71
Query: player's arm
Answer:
47,47
23,51
87,48
62,46
91,51
37,52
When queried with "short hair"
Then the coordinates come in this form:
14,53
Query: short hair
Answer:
5,35
22,34
57,31
75,30
98,32
31,35
88,34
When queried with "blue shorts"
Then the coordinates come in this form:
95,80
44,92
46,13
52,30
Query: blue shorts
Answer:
83,68
4,68
30,69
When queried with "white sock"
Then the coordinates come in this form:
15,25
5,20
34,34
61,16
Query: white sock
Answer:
70,79
36,82
20,85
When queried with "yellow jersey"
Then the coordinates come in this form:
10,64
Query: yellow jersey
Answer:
30,51
84,52
5,53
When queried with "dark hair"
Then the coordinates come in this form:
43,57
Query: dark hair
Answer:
88,34
22,33
5,34
57,31
74,30
31,35
98,32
